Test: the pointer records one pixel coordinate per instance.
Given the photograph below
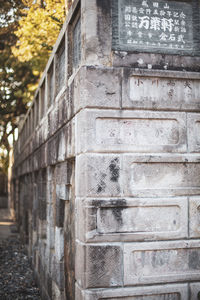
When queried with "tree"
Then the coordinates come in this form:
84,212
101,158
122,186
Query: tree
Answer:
16,78
30,28
43,20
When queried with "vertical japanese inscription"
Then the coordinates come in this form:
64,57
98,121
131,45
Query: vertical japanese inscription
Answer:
154,25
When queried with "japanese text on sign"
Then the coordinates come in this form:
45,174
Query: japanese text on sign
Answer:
151,24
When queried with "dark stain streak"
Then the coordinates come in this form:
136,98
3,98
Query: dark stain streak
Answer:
117,213
101,185
114,169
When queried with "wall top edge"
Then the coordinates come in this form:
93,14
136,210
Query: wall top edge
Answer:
54,51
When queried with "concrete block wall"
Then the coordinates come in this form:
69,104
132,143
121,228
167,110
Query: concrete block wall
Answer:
106,180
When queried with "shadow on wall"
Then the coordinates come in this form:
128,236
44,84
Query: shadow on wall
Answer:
3,190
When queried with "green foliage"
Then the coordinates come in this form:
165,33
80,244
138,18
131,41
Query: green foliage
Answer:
15,77
28,31
37,32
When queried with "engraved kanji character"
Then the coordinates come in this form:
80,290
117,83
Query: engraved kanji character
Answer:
155,4
135,42
166,6
182,15
140,34
183,29
134,18
129,41
129,32
127,9
176,29
169,13
144,22
134,10
155,23
176,14
163,36
183,23
144,3
162,13
134,25
127,17
150,35
155,12
172,37
181,38
167,24
141,10
176,22
148,11
127,24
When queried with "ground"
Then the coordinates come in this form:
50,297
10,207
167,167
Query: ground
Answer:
16,276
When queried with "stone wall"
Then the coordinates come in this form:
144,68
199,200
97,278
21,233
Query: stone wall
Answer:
106,175
3,190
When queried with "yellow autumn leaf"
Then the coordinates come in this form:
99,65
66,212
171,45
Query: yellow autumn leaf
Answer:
38,31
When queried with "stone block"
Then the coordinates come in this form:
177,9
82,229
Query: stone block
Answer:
49,192
99,265
98,175
50,235
62,109
61,146
50,173
61,179
53,120
62,191
57,294
97,39
150,61
130,131
195,291
159,292
101,87
161,175
69,133
160,90
52,150
59,213
58,273
69,101
49,285
193,126
194,217
115,220
161,262
50,230
59,243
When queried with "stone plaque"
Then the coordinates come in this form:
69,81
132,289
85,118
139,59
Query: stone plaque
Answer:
156,26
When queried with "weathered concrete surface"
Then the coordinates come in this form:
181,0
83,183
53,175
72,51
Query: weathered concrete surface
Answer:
3,190
106,174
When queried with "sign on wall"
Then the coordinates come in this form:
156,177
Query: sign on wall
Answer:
156,26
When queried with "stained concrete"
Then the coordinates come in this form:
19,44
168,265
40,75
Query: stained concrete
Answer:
106,169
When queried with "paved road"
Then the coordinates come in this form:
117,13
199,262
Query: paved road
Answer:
16,276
